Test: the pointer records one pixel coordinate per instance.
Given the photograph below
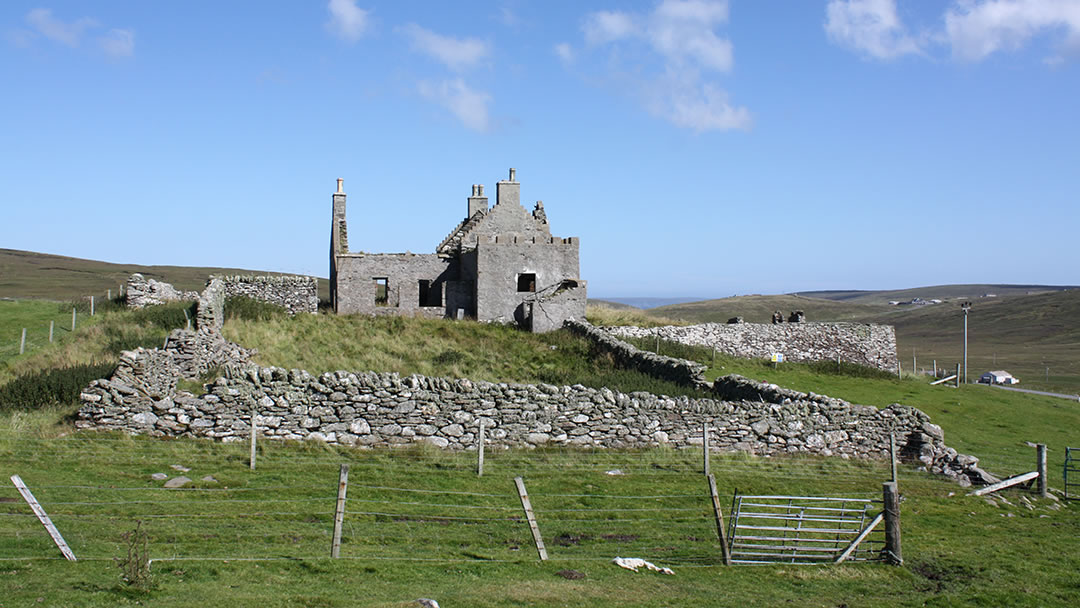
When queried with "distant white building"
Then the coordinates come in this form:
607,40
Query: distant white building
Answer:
998,377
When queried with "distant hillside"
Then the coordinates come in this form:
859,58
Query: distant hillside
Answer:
27,274
940,292
1036,337
759,309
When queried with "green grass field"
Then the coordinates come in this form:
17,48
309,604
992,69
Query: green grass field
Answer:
420,523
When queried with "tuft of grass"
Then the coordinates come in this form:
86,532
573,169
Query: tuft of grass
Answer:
249,309
51,387
607,316
437,347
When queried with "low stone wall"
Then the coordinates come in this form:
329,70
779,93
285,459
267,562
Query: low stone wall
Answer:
628,355
870,345
293,293
372,409
143,292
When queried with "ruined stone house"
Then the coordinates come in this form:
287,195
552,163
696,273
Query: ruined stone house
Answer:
499,264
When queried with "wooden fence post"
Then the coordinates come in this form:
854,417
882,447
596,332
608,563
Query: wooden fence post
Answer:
109,292
891,500
892,455
51,323
957,375
1040,451
529,515
22,342
43,517
252,464
339,512
91,306
480,451
72,318
721,533
705,446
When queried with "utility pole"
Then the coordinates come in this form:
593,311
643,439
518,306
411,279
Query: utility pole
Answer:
966,306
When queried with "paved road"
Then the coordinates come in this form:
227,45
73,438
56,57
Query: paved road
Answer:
1028,390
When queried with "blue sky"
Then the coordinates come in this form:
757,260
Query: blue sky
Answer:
697,148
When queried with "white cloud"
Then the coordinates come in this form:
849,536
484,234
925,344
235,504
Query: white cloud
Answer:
347,21
69,34
608,26
118,43
977,29
468,105
869,26
565,52
681,34
700,107
455,53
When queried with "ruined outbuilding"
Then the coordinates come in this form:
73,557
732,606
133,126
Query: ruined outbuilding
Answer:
499,264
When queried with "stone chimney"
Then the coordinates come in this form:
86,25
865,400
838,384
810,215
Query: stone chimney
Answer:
339,201
508,191
477,202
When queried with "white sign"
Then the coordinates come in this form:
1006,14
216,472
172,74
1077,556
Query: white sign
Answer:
778,357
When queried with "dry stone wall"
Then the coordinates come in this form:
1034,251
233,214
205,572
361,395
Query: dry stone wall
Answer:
142,292
625,354
870,345
372,409
293,293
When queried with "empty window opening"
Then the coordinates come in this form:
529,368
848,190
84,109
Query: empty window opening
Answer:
430,293
382,291
526,282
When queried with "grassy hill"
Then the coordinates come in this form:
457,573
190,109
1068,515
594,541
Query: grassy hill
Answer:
420,522
27,274
940,292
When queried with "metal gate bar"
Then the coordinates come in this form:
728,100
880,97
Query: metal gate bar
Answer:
801,529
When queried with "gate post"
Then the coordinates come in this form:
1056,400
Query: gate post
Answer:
1040,461
891,500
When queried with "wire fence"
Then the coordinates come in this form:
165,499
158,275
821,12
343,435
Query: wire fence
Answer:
408,504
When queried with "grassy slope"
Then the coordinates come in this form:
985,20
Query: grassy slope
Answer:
759,309
959,550
27,274
940,292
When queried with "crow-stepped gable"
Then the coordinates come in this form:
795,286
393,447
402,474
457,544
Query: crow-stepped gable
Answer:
499,264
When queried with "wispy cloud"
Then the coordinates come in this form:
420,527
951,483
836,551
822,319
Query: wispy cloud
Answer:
681,34
68,33
972,29
455,53
347,21
118,43
871,27
975,30
468,105
565,52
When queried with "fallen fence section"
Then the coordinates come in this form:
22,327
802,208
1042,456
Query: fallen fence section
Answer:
805,530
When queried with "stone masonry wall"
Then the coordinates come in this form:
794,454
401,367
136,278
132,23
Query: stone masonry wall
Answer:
143,292
373,409
293,293
871,345
627,355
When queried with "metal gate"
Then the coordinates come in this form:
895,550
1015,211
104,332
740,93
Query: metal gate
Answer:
804,529
1072,465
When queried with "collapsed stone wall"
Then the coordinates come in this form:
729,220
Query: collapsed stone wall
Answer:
142,292
627,355
865,344
295,294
